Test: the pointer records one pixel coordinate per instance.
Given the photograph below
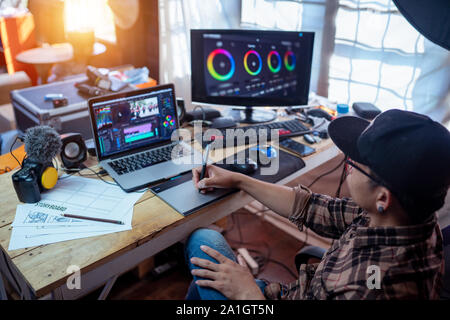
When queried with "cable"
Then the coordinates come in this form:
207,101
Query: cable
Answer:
97,174
203,111
67,176
10,151
241,240
319,125
203,122
284,266
326,173
342,179
305,243
76,170
262,259
54,160
239,230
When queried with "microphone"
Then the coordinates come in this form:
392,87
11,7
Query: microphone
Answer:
42,144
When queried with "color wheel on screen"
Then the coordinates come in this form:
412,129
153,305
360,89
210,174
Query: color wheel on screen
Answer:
210,65
169,121
272,68
254,55
289,65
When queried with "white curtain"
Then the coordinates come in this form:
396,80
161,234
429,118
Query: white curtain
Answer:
379,57
177,17
375,55
364,50
290,16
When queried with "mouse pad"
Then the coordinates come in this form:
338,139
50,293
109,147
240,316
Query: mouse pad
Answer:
180,193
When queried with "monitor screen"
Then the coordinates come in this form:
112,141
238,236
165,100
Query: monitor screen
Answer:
132,122
251,68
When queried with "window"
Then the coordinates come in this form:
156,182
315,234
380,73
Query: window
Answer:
293,15
376,55
90,15
364,50
284,15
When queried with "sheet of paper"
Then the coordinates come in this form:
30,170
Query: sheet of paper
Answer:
41,223
19,241
26,226
33,215
90,197
44,216
30,236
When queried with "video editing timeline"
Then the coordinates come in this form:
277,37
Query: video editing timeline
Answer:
129,123
251,67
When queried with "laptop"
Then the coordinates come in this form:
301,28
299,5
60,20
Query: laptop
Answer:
136,137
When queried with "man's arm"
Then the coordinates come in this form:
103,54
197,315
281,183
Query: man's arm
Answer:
326,216
276,197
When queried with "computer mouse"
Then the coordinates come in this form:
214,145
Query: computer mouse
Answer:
248,167
223,122
263,155
308,138
319,113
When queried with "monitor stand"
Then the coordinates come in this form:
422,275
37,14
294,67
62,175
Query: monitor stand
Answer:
252,115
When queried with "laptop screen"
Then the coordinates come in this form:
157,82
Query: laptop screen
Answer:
133,122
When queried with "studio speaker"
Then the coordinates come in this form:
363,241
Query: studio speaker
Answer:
73,150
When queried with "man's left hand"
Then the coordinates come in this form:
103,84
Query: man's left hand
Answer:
233,280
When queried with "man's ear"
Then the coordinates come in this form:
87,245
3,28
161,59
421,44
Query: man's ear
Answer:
383,200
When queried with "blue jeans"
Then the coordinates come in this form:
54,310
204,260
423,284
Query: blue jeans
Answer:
216,241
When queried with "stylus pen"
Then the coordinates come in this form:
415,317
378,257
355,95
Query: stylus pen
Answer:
91,218
205,162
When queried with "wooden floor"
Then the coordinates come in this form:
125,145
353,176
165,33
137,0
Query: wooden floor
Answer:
267,244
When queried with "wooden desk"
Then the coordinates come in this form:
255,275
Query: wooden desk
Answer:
41,272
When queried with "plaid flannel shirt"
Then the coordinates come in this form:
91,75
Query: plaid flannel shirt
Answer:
409,259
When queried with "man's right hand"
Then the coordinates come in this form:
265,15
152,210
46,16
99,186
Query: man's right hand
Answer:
276,197
215,177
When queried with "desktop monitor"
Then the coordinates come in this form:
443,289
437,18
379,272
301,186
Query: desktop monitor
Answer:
251,68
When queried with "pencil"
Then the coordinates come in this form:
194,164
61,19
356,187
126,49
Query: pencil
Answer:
91,218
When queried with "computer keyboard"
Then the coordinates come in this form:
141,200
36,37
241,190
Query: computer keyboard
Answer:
285,129
143,160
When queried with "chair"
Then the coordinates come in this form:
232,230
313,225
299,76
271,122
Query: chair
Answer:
9,82
445,294
18,34
308,252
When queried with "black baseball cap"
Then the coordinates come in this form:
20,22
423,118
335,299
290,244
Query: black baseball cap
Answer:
407,151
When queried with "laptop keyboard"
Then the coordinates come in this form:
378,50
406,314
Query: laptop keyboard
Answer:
145,159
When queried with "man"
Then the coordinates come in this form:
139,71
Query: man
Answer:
388,244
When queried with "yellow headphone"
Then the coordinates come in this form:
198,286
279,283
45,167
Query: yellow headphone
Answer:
49,178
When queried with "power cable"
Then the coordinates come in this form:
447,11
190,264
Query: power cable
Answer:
342,179
326,173
262,259
10,151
